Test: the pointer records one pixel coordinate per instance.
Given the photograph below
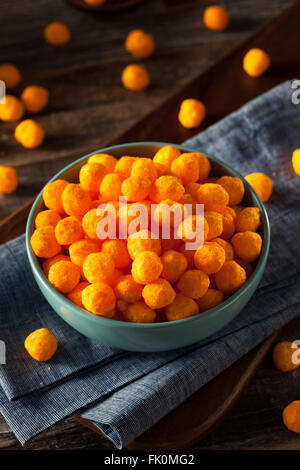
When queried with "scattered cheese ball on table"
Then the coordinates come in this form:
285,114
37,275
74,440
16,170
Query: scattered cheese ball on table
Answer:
12,110
29,134
291,416
192,112
10,75
34,98
41,344
135,77
140,44
256,62
57,34
283,356
296,161
8,180
216,18
262,184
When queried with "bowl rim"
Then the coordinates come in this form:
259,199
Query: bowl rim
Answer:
65,302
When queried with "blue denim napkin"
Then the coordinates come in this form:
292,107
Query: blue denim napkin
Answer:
125,393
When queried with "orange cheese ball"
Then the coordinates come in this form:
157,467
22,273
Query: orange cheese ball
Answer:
283,356
57,34
94,3
52,195
12,110
291,416
262,184
228,223
256,62
99,299
158,294
117,250
142,241
210,258
47,217
247,245
166,187
76,294
211,299
173,265
44,243
187,230
47,263
34,98
140,44
129,212
186,167
64,276
75,200
90,223
127,290
192,112
8,180
146,267
234,187
248,220
41,344
68,230
216,18
108,161
136,188
135,77
213,196
245,265
111,187
215,224
188,199
98,267
90,176
124,165
230,277
11,75
296,161
189,255
192,188
229,252
81,249
144,167
139,312
29,134
114,277
164,158
181,307
193,283
168,212
204,166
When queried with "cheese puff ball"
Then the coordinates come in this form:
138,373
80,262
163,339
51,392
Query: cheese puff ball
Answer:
187,230
8,180
90,177
283,356
129,212
296,161
124,165
247,245
234,187
75,200
64,276
228,223
230,277
139,312
181,307
173,265
57,34
68,230
44,243
256,62
34,98
76,294
94,3
47,217
158,294
216,18
204,166
29,134
136,188
52,195
146,267
186,167
12,110
117,250
98,267
114,277
99,299
140,44
192,112
211,299
41,344
47,263
192,188
81,249
164,158
169,213
245,265
111,187
144,167
108,161
210,258
291,416
248,220
188,254
142,241
166,187
262,184
135,77
127,289
10,75
229,252
215,224
90,223
193,283
213,196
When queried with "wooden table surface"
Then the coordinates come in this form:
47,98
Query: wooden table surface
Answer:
88,107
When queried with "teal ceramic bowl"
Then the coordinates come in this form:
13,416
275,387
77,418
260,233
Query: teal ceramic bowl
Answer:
152,336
